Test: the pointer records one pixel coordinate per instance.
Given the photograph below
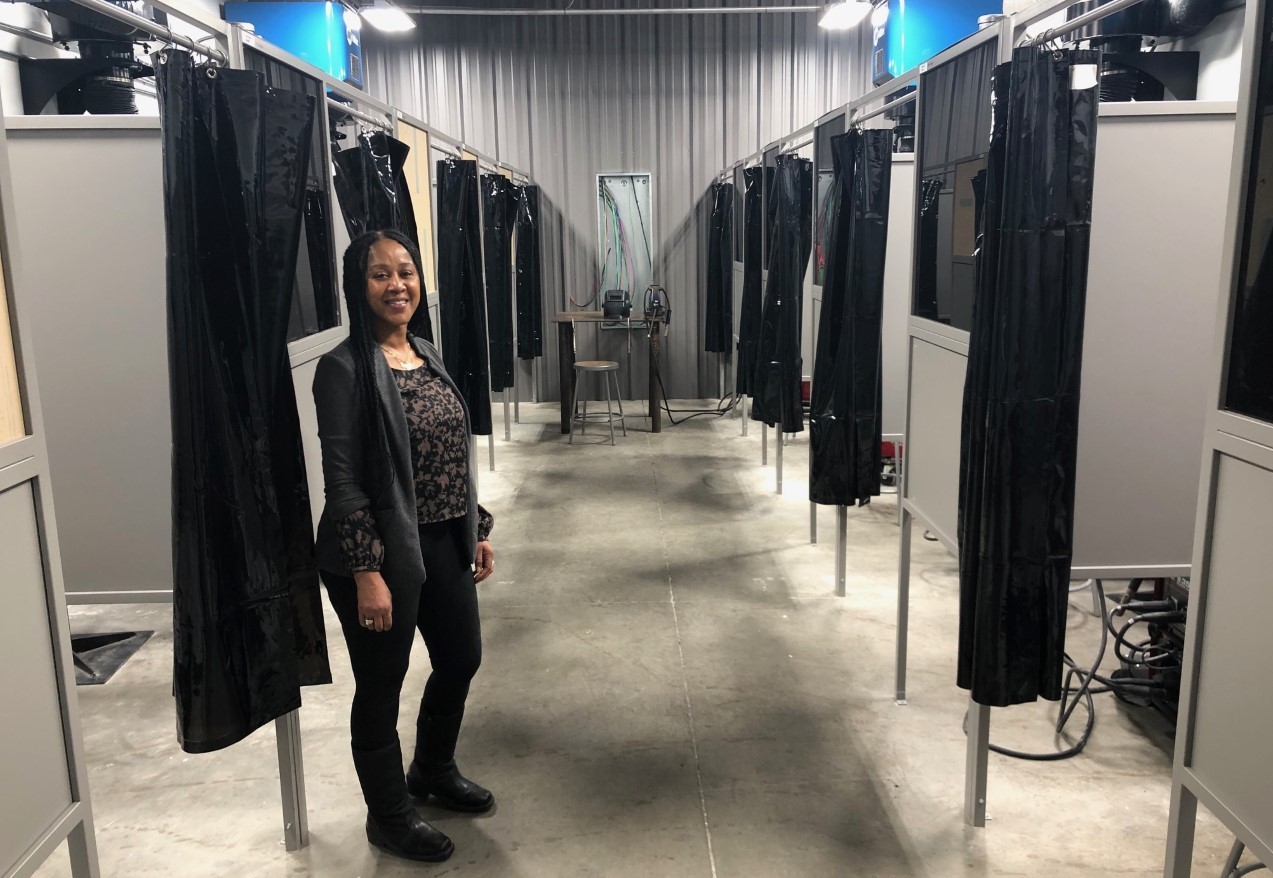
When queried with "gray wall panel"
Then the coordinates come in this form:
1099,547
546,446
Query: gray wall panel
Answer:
1152,299
566,98
33,759
91,209
932,447
1234,700
898,262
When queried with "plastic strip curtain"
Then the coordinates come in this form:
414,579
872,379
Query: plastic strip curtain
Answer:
460,292
752,300
247,620
1021,399
719,323
498,213
530,295
845,419
778,362
372,188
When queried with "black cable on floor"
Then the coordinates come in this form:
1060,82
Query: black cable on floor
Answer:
1121,688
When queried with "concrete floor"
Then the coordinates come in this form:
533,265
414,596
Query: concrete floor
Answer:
670,688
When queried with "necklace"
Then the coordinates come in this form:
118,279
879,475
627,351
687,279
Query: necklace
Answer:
404,362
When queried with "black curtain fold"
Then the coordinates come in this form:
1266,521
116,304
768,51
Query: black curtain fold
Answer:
925,304
718,333
460,291
752,300
1021,398
777,385
499,207
247,618
845,420
374,195
530,295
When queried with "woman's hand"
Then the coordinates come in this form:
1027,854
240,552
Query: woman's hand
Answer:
375,603
484,564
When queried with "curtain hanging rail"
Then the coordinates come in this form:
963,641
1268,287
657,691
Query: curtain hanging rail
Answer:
158,31
799,144
900,102
357,114
1083,21
561,13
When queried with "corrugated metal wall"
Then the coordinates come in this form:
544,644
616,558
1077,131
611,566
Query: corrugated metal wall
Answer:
565,98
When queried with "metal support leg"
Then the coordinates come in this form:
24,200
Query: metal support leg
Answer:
517,402
473,469
903,604
764,445
1180,831
813,524
720,386
841,551
574,403
605,379
490,444
291,774
82,847
978,764
746,418
1098,608
618,395
778,456
508,424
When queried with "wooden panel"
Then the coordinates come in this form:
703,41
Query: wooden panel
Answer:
12,421
419,173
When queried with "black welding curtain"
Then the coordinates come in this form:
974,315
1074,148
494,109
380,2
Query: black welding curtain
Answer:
778,362
373,192
925,304
1021,398
845,422
499,207
719,328
460,293
530,295
247,620
752,304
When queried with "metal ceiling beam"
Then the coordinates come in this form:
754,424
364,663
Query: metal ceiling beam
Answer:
565,13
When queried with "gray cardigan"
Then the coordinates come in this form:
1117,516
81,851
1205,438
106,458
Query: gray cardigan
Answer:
344,466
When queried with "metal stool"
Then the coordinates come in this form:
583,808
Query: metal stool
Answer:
607,369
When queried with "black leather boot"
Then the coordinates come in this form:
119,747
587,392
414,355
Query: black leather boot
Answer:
433,771
392,822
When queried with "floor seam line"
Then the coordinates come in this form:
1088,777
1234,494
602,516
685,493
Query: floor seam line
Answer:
680,650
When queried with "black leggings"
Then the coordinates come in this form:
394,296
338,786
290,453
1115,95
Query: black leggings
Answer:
444,609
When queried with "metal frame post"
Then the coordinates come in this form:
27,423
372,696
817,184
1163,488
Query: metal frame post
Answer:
764,444
508,426
903,602
778,457
490,445
291,774
841,551
743,408
977,766
813,523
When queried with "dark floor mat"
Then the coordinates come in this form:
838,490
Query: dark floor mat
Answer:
99,656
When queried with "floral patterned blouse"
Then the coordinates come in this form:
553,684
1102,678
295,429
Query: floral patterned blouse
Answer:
439,459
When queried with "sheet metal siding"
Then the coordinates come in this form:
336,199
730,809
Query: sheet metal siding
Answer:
566,98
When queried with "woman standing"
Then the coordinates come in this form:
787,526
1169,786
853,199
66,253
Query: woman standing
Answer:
398,541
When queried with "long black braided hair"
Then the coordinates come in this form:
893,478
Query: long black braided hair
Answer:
366,350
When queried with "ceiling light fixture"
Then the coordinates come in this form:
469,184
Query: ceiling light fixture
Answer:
845,14
383,15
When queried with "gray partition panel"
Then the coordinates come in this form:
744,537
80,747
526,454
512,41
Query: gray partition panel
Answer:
91,207
33,759
898,267
1153,292
932,444
1233,696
